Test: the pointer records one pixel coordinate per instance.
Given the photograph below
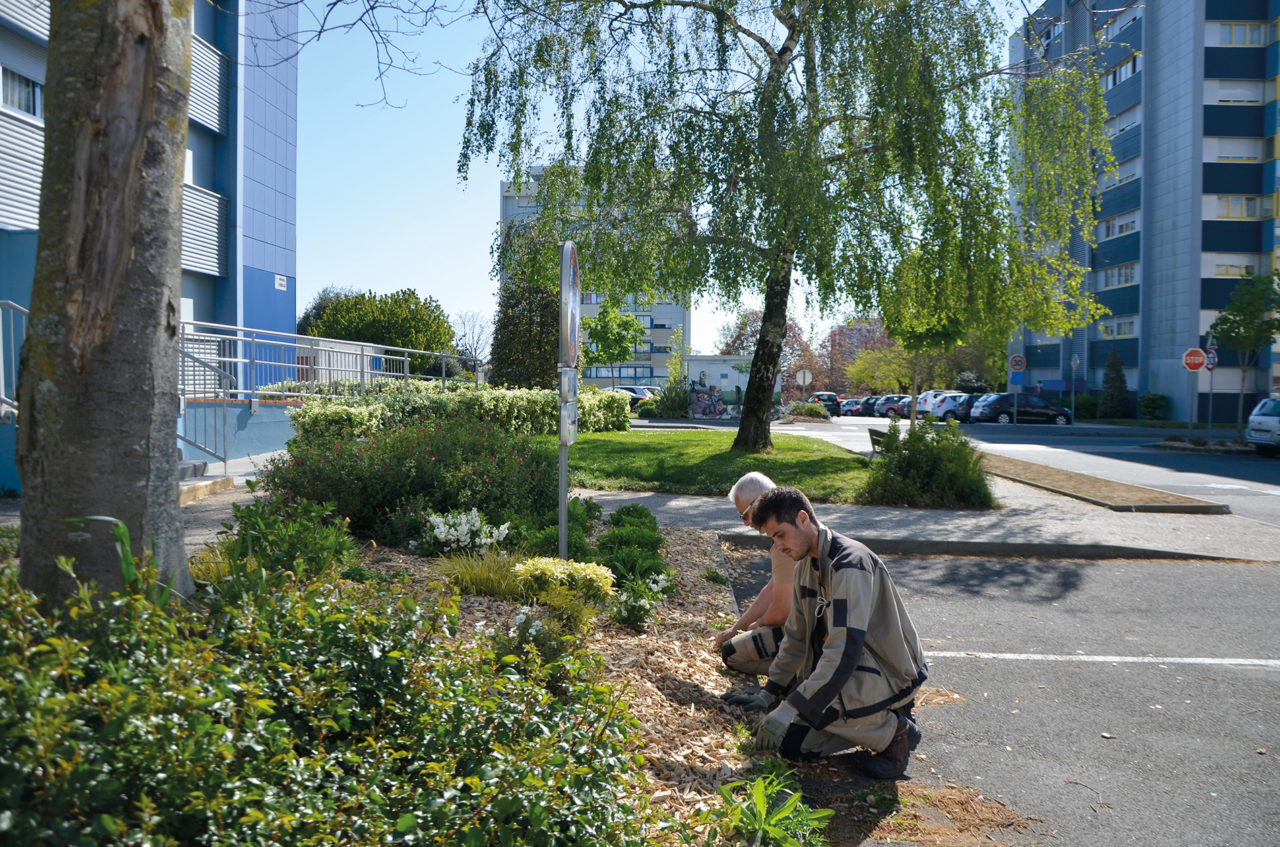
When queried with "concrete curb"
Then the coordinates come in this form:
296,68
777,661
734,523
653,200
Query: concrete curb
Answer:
1192,508
1183,447
204,487
997,549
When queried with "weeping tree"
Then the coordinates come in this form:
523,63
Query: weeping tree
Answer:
716,149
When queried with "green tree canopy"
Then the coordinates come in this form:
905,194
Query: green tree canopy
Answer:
707,147
400,319
613,336
325,298
1249,324
526,332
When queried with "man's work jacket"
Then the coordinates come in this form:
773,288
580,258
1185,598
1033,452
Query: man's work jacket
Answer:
849,649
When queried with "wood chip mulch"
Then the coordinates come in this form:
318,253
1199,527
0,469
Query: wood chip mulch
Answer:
693,742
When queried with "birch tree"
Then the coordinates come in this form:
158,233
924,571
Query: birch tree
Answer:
723,149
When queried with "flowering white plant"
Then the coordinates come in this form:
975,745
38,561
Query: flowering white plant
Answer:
465,531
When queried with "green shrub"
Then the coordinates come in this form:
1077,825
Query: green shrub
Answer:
591,583
800,409
635,602
634,514
1086,406
437,468
638,537
302,537
932,467
522,411
1153,407
673,399
767,811
646,409
331,715
9,537
635,563
1114,402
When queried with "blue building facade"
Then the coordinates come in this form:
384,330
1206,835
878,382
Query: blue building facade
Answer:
240,180
1191,94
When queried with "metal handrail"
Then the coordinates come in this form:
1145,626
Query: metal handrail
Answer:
10,347
201,429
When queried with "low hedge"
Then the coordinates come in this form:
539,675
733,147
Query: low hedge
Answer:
522,411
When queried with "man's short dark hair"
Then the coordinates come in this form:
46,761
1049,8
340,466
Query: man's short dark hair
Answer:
782,504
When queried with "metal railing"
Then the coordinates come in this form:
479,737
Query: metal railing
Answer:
281,365
13,329
219,364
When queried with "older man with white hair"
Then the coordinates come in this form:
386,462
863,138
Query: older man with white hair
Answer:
751,643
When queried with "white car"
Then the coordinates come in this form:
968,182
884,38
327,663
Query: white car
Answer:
1264,426
635,393
926,401
946,405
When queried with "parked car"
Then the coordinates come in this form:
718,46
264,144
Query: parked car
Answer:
927,400
635,393
829,400
849,406
890,404
965,406
1264,426
946,405
1031,409
866,407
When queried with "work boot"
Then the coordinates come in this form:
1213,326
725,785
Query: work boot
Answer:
891,762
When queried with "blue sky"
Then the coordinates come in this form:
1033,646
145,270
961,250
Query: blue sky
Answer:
380,206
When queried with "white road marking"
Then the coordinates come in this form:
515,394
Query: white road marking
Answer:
1142,660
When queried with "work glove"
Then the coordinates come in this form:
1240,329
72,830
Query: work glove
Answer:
774,726
751,702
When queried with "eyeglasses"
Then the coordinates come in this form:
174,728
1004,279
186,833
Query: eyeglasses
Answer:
743,514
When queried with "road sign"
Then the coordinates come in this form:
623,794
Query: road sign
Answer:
570,304
1210,358
1017,363
803,377
1194,359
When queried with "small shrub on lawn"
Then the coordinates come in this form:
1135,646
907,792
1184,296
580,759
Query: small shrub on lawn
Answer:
801,409
646,409
9,536
931,467
437,468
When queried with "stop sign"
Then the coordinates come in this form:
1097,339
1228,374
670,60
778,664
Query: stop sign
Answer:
1194,359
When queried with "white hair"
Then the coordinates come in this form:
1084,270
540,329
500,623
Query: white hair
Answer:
749,487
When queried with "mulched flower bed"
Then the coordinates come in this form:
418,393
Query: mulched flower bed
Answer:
693,742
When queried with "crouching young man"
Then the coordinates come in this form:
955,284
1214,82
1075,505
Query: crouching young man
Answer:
850,661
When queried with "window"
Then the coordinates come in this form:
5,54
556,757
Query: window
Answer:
1238,208
1120,73
1122,328
1119,275
1239,91
1240,35
1114,227
591,298
1234,270
22,94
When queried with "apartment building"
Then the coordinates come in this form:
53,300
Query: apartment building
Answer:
661,320
239,192
1191,94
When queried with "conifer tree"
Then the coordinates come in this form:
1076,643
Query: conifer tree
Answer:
1115,391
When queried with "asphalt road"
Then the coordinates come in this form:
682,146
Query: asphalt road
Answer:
1112,702
1248,483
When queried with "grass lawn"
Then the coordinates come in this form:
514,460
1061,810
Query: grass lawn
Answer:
700,462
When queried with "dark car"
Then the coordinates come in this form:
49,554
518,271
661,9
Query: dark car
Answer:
1031,409
866,407
829,401
964,406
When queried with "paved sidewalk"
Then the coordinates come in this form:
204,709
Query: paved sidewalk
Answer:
1031,522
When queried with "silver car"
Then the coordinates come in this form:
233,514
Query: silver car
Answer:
1264,426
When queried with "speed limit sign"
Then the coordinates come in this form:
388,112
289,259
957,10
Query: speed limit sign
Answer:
1017,363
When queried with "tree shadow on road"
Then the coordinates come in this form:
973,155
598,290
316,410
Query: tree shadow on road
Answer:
1027,580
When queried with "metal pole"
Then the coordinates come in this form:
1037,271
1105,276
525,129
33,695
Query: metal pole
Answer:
1209,424
1191,398
564,500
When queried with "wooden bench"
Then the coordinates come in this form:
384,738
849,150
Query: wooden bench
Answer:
877,437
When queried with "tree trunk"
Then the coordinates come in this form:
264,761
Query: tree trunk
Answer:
97,433
757,404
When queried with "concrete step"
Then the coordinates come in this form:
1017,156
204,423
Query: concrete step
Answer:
191,469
